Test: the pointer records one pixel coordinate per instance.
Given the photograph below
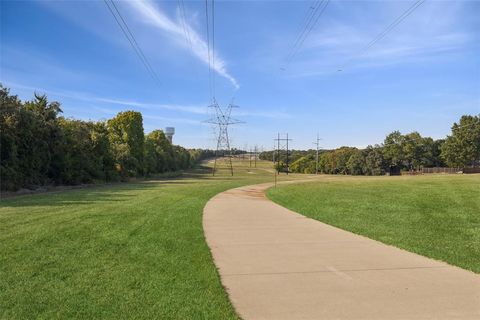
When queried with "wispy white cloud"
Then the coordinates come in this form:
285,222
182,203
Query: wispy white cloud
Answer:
150,13
176,120
126,103
182,120
105,100
173,107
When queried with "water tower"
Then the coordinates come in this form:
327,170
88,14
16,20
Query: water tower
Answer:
169,132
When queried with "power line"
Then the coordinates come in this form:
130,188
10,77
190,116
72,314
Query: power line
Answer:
186,30
312,25
304,25
387,30
312,21
181,7
209,56
213,46
306,19
131,39
397,21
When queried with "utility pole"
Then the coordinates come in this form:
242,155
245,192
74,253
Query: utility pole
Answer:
273,154
250,157
255,156
287,155
278,151
317,143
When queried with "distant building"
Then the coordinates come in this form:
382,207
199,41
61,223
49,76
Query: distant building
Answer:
169,132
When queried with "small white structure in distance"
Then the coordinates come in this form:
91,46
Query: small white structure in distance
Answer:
169,132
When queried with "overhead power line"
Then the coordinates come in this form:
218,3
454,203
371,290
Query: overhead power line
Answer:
304,25
131,39
213,46
181,7
212,94
384,32
307,17
310,21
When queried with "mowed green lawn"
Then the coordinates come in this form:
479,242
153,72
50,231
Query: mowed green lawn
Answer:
126,251
437,216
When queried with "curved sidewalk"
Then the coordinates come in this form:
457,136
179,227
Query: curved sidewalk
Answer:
277,264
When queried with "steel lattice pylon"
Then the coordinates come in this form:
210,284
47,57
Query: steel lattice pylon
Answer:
222,119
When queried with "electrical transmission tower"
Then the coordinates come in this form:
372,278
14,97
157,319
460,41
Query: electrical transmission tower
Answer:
222,120
281,143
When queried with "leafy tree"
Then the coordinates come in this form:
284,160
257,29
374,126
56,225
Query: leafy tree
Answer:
393,149
182,157
356,163
340,159
374,161
77,163
103,152
413,150
29,140
155,153
39,147
127,140
435,151
462,147
86,152
10,118
304,164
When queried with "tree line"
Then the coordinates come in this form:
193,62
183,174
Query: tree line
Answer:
39,146
398,152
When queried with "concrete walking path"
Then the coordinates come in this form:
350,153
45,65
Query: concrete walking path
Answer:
277,264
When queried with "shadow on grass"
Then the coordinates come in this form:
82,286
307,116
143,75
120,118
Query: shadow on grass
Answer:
86,196
116,192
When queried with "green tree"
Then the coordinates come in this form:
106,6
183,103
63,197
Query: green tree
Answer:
102,150
414,151
462,147
155,153
182,157
340,159
393,152
374,161
37,146
10,121
127,141
436,152
304,164
86,152
356,163
325,162
29,141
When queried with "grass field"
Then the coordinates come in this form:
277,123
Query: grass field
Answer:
137,250
126,251
436,216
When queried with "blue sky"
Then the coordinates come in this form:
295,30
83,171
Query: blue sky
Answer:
422,76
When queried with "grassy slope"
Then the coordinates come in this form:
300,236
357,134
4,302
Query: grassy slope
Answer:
124,251
435,216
